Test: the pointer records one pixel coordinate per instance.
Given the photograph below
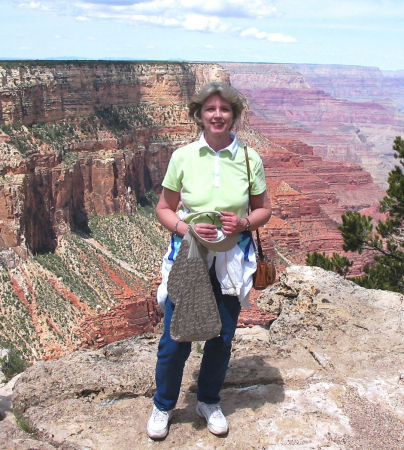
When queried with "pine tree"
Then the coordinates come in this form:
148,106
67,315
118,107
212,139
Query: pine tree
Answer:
386,240
339,264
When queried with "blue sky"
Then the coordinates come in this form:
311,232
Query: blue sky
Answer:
353,32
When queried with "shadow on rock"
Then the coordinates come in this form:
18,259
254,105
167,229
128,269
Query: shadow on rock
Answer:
250,384
5,406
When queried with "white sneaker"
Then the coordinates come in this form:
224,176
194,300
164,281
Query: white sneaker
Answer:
217,423
157,426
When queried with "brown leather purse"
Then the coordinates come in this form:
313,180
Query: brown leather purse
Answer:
265,274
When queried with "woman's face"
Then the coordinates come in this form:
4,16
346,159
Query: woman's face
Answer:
216,116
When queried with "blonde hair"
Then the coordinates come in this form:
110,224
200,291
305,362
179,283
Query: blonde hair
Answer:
225,91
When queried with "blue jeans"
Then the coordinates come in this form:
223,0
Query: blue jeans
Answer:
172,355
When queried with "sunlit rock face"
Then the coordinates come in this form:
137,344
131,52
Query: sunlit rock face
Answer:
79,141
89,139
42,196
327,374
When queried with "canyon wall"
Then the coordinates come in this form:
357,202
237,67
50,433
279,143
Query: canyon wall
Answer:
79,141
310,191
110,161
84,145
54,91
343,112
356,83
42,194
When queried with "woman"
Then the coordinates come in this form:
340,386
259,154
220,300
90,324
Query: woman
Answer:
209,174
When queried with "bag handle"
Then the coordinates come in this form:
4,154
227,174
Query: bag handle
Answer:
260,252
196,214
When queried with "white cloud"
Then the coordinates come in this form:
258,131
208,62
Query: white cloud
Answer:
30,5
210,16
253,9
143,19
35,5
114,2
222,8
197,22
273,37
256,9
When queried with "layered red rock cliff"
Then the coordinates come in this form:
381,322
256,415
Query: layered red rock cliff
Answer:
356,83
41,197
49,191
288,102
51,186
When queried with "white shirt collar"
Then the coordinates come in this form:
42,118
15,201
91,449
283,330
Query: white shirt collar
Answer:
232,148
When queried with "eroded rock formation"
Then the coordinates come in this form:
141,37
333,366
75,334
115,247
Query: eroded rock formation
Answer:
345,113
82,140
356,83
43,195
93,139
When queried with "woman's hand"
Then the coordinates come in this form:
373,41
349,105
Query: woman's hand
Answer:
206,231
231,223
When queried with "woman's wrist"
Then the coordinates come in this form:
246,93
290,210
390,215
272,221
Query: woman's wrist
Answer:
180,228
245,224
175,231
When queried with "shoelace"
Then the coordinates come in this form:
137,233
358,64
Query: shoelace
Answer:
159,416
215,411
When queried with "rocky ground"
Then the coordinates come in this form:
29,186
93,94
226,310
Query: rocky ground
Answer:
327,375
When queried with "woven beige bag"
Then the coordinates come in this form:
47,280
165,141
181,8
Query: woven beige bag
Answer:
196,316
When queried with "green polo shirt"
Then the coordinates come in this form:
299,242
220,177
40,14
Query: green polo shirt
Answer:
217,181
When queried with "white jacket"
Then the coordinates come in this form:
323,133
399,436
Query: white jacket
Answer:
234,269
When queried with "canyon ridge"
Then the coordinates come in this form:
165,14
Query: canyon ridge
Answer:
83,150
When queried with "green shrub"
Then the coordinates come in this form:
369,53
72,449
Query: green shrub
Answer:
124,118
13,363
24,423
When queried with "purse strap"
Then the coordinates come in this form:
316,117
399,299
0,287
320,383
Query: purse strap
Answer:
260,252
